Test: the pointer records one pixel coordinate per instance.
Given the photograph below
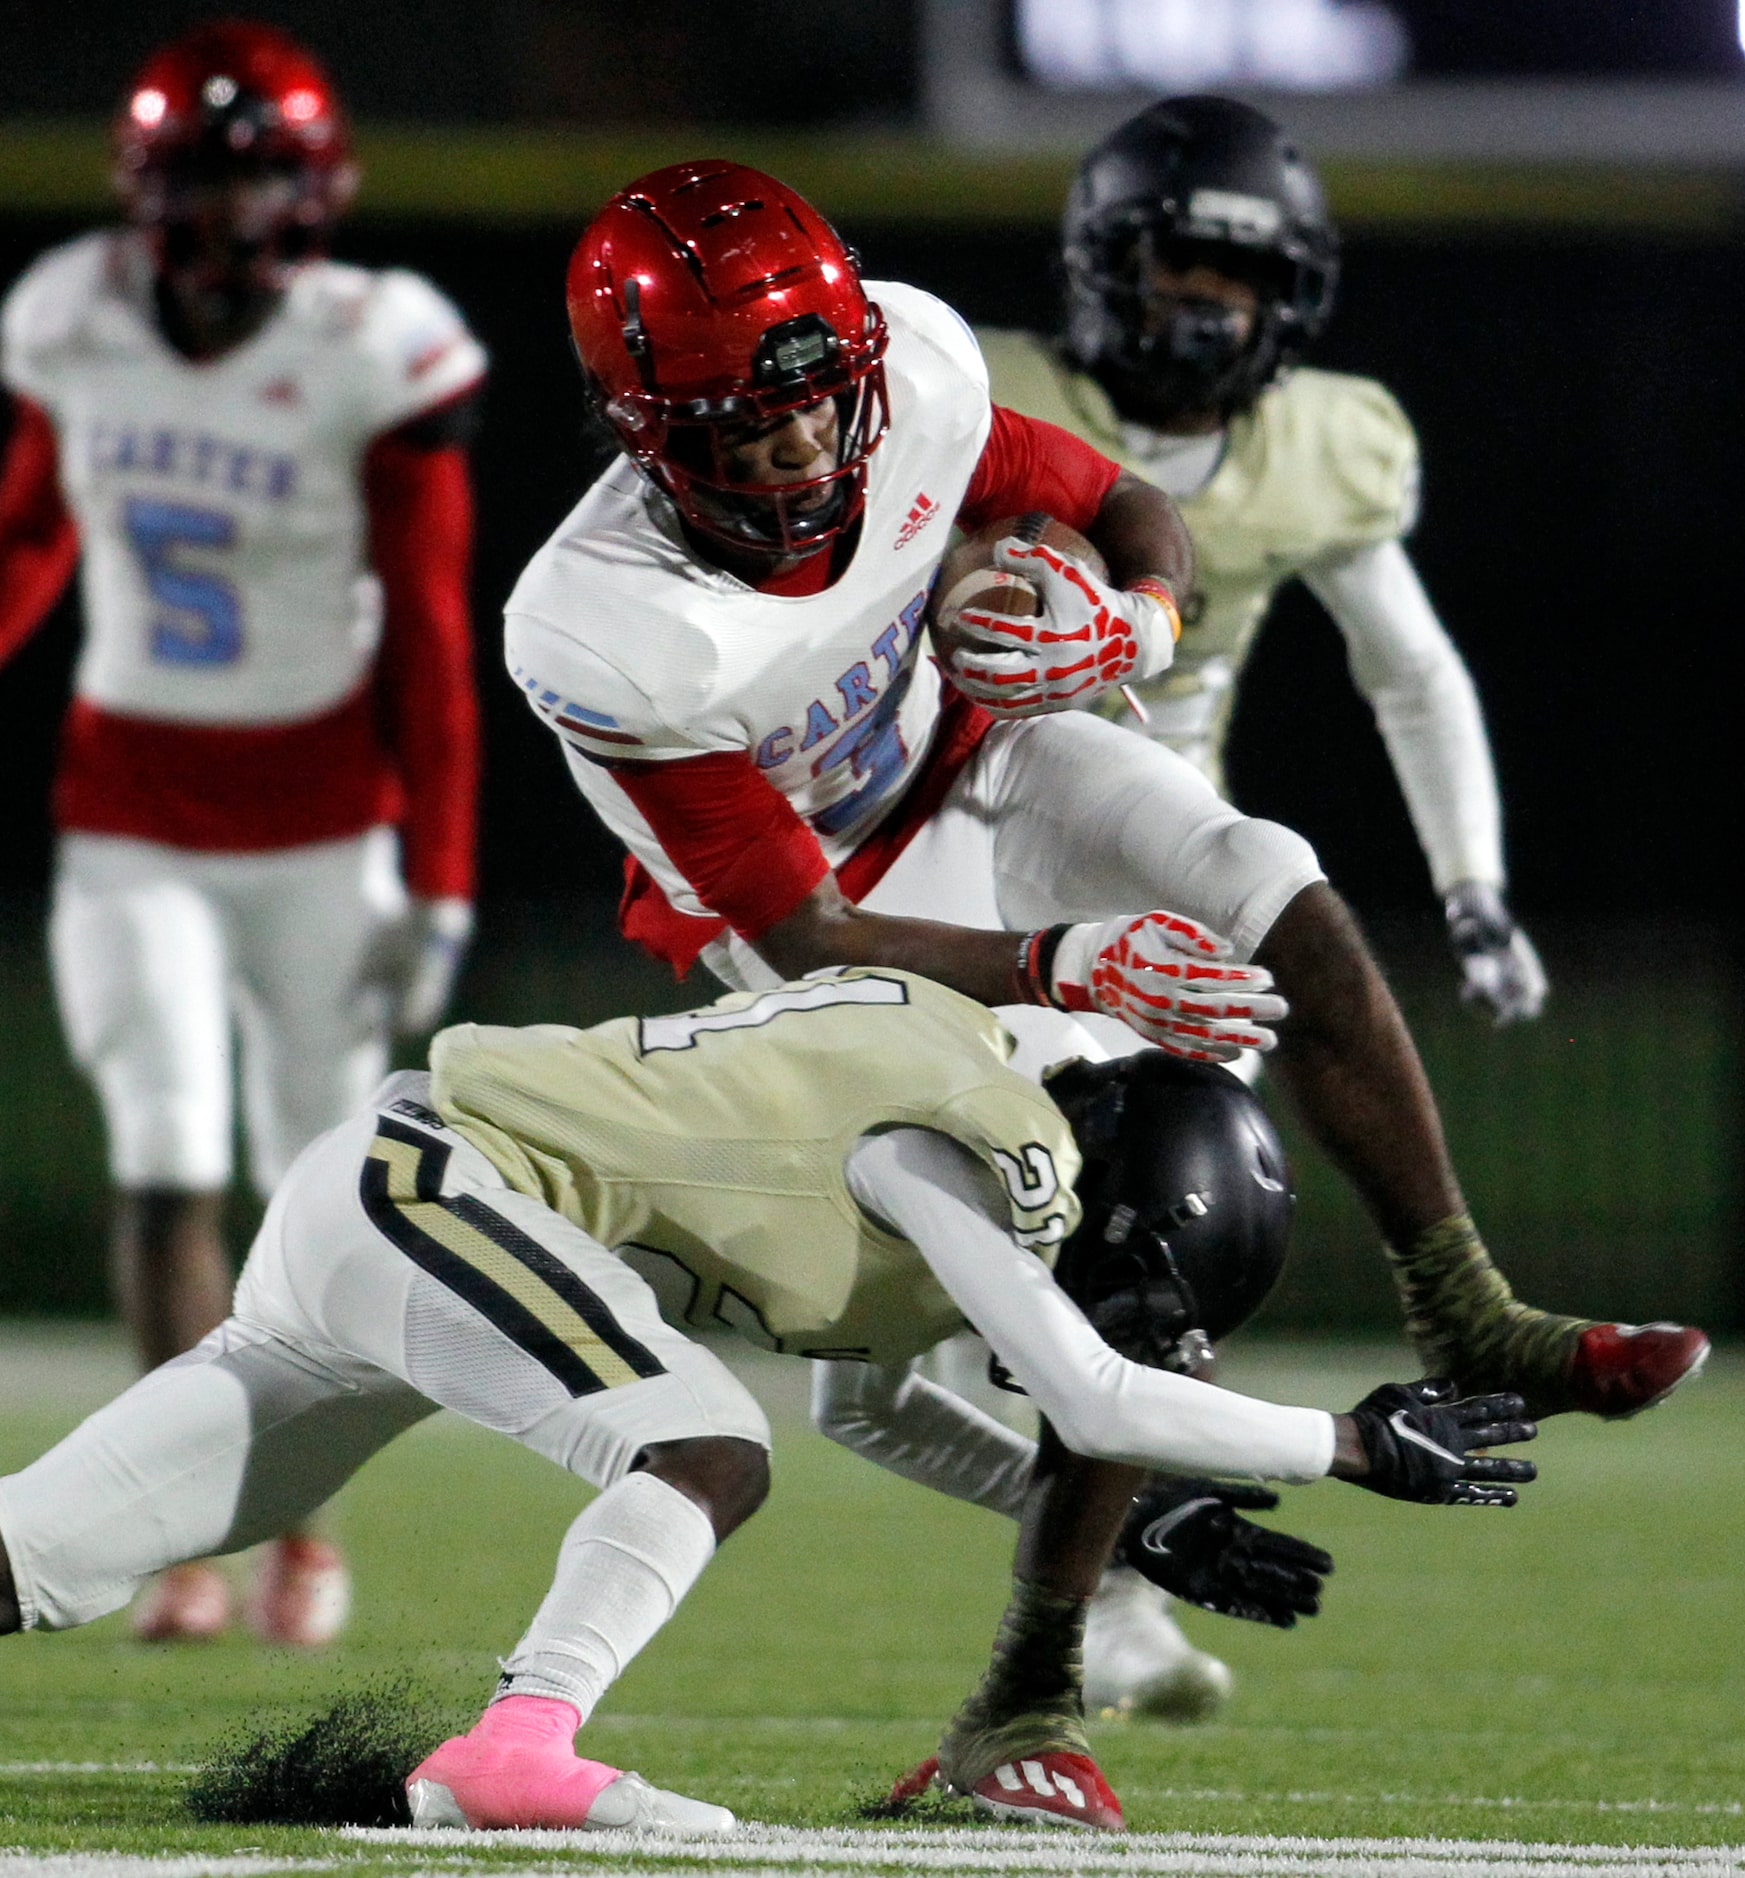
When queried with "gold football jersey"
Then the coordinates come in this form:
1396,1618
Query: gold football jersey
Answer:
708,1147
1324,463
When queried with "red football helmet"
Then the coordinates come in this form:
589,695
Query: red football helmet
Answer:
708,296
233,125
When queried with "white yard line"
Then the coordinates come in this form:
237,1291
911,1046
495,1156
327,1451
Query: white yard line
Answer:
20,1862
97,1767
790,1851
1492,1803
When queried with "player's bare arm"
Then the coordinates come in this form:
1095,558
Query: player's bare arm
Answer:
1141,535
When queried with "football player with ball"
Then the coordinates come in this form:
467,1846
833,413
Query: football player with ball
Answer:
727,637
256,458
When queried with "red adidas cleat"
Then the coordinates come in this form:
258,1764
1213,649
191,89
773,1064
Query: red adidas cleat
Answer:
1051,1790
1621,1369
301,1594
185,1604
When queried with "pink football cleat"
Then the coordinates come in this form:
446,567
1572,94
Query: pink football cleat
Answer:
518,1768
1621,1369
185,1604
1049,1789
301,1594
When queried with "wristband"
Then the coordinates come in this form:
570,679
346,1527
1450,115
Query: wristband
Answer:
1035,966
1155,588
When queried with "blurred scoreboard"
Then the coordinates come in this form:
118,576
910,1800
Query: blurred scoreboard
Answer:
1341,45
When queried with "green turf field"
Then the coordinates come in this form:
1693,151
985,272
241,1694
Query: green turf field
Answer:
1568,1673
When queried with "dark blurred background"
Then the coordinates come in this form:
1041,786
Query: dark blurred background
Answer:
1561,318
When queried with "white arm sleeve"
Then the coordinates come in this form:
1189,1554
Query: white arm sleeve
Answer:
923,1432
1408,668
936,1193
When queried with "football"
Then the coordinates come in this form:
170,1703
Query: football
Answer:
968,578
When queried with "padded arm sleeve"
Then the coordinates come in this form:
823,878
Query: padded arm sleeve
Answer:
937,1194
39,542
914,1428
1425,705
421,524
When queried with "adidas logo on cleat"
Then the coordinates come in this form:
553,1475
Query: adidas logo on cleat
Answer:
1040,1779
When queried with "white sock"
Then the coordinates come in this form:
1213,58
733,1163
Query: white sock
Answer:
624,1565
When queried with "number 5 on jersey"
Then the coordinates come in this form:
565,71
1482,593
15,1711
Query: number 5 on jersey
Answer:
198,617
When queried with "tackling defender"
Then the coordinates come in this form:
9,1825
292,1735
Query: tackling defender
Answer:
469,1241
1200,261
257,456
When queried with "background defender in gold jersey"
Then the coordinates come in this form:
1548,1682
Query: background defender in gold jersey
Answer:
844,1167
1199,261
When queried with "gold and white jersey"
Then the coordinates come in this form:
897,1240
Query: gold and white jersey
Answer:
709,1147
1324,464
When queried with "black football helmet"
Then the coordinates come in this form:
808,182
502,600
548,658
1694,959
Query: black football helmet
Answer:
1194,179
1187,1204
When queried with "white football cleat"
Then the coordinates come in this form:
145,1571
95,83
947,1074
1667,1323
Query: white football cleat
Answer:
1138,1663
517,1770
627,1804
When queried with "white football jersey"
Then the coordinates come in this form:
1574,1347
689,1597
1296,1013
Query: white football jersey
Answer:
631,647
221,519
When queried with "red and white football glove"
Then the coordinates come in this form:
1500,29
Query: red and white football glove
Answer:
1160,975
1088,637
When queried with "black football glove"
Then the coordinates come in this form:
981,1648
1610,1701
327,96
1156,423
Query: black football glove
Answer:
1420,1440
1187,1537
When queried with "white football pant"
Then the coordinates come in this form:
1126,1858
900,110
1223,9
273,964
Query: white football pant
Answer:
160,953
395,1272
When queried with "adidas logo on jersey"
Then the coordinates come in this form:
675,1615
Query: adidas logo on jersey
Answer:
920,514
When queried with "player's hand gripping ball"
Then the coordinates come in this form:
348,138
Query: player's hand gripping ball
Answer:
1167,978
1025,621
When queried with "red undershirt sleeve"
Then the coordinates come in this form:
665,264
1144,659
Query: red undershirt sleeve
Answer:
39,541
732,834
1027,464
421,525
